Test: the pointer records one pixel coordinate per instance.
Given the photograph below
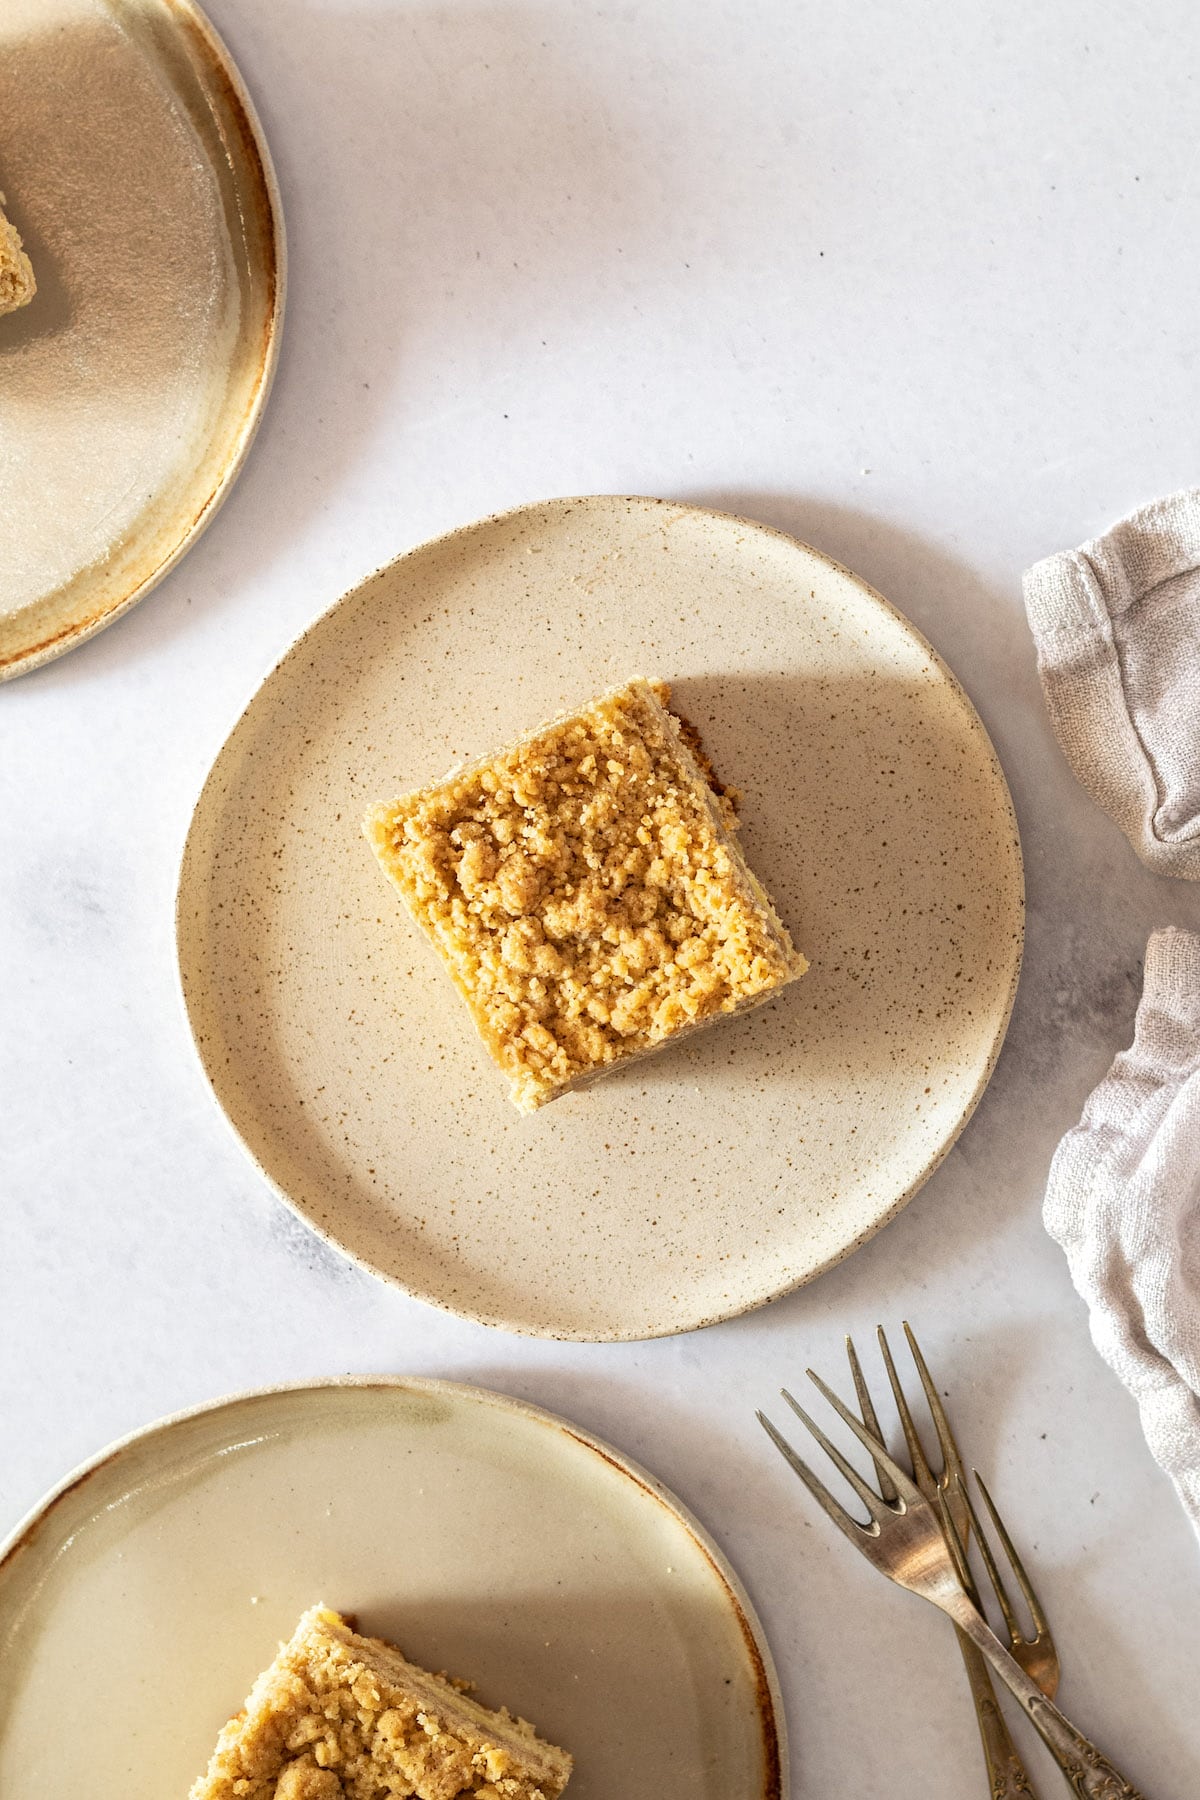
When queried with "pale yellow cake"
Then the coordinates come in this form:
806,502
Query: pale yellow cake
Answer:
586,892
17,286
342,1717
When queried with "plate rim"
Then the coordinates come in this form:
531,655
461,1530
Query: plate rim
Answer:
1000,786
769,1704
188,16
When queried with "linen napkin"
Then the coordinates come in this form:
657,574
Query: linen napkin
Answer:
1117,629
1123,1200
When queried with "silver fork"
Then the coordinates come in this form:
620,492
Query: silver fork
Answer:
1008,1778
1038,1655
909,1540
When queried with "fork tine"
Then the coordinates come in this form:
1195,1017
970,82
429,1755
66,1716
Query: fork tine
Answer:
958,1552
1040,1622
816,1488
941,1424
866,1407
905,1487
920,1461
951,1481
866,1493
985,1550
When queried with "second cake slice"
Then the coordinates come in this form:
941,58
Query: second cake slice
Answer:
337,1716
586,893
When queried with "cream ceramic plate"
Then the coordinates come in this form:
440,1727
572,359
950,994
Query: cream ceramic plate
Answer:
486,1537
136,172
730,1168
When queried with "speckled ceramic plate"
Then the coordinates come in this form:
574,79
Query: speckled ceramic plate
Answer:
136,172
728,1169
486,1537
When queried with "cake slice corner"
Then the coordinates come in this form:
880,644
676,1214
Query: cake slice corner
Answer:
17,284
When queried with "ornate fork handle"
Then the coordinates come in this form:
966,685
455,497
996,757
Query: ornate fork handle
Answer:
1088,1773
1007,1773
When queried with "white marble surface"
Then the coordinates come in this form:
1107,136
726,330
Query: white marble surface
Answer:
914,280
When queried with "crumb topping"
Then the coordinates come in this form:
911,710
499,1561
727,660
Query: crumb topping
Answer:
340,1717
585,891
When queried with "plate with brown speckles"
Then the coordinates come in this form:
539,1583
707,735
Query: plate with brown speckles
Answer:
731,1167
484,1536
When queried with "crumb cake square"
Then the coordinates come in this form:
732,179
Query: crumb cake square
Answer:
17,286
586,892
342,1717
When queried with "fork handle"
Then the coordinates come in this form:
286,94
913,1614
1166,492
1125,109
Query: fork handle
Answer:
1007,1774
1089,1773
